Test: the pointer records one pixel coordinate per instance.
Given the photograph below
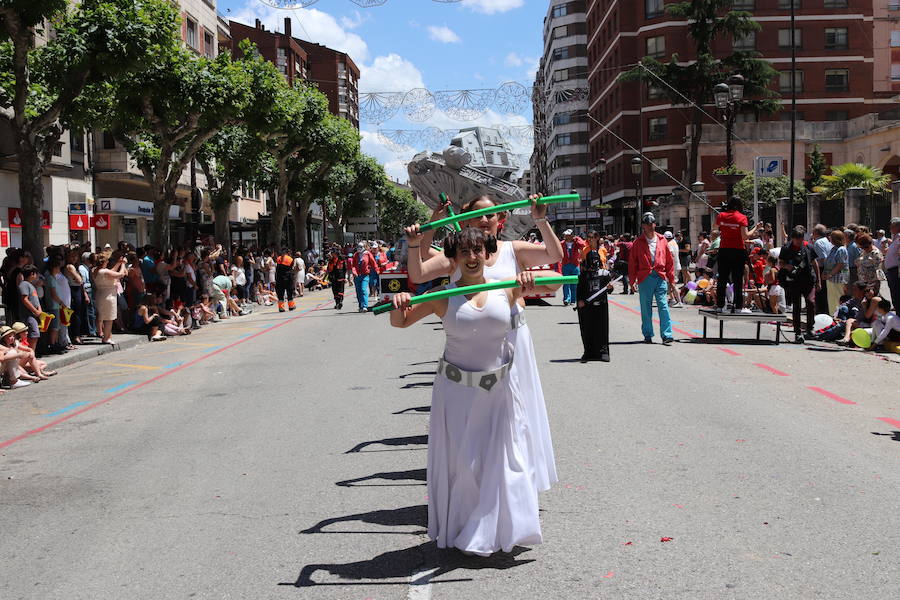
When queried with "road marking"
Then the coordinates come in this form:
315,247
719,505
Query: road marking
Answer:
771,370
180,343
213,348
730,351
831,395
629,309
121,393
174,364
889,421
66,409
420,584
133,366
121,386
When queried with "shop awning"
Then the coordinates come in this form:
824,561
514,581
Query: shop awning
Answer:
131,208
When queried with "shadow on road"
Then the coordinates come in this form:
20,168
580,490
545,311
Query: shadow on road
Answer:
894,435
417,384
414,474
416,516
427,362
398,441
415,373
401,565
418,409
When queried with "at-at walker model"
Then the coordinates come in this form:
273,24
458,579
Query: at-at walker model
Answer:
478,161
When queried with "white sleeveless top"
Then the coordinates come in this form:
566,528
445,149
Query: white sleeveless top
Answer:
476,337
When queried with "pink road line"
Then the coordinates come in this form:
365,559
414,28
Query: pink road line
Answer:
730,351
833,396
74,414
771,370
889,421
638,313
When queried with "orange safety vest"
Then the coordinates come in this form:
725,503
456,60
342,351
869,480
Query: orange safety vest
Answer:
286,259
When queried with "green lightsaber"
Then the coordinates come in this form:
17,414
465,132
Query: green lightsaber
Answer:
499,208
474,289
450,210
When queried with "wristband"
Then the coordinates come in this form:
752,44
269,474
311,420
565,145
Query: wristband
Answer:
413,246
541,220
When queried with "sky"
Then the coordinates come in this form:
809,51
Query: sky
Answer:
407,44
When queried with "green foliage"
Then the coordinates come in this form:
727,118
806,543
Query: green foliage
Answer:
770,190
729,170
848,175
816,169
398,209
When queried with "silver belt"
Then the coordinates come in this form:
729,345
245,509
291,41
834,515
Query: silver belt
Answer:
517,320
485,380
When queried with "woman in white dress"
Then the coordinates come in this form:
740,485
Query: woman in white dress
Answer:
481,492
511,258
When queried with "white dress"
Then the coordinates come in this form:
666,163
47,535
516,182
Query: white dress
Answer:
526,371
481,495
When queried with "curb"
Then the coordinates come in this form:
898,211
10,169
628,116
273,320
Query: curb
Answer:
89,351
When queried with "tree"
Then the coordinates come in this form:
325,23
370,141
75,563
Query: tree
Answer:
770,190
164,116
351,188
42,85
399,209
693,83
816,168
843,177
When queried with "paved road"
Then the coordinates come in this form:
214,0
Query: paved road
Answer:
282,456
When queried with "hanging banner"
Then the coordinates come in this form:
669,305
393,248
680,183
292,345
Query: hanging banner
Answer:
15,218
4,239
79,223
100,221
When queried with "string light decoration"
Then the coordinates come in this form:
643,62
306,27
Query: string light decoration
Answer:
420,104
399,141
291,4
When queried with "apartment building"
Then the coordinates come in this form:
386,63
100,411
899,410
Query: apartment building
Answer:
560,161
336,76
848,65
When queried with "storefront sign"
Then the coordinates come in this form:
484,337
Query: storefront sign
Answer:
77,208
15,218
129,207
100,221
79,223
4,239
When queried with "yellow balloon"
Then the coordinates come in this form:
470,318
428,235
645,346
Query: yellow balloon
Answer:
862,337
703,284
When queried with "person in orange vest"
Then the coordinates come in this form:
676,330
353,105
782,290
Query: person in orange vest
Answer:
284,280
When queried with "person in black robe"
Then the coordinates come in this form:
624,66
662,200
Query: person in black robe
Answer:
593,307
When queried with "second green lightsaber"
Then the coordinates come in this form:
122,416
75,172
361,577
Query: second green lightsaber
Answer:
498,208
450,210
474,289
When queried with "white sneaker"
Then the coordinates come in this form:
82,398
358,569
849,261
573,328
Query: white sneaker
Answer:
20,384
746,311
678,305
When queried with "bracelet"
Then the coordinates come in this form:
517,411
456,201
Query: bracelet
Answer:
413,246
541,220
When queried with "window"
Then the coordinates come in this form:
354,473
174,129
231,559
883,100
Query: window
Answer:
785,115
209,45
654,92
653,8
836,115
837,80
560,10
561,31
191,35
76,140
784,81
784,38
658,168
656,46
746,41
564,184
109,142
743,4
895,39
835,38
57,149
787,4
561,53
562,118
561,75
564,139
895,72
657,128
835,4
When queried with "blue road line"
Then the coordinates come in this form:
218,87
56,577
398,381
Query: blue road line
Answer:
174,364
66,409
700,331
213,348
119,387
246,335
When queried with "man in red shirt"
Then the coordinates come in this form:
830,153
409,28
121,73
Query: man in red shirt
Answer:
651,269
362,265
571,247
732,254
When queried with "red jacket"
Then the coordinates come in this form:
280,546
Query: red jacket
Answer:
364,265
639,266
573,256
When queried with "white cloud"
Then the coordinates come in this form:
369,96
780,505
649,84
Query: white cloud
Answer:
514,60
490,7
391,73
308,24
443,34
355,21
388,157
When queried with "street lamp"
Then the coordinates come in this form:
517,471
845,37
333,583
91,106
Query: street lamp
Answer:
637,168
729,96
600,169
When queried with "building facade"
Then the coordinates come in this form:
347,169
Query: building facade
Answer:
560,162
845,70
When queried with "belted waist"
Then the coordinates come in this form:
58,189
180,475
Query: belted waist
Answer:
485,380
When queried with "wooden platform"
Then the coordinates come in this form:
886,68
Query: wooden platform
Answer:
756,317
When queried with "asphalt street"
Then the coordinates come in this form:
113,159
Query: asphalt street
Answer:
282,456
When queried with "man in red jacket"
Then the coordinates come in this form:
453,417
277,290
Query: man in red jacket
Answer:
362,265
571,246
652,269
